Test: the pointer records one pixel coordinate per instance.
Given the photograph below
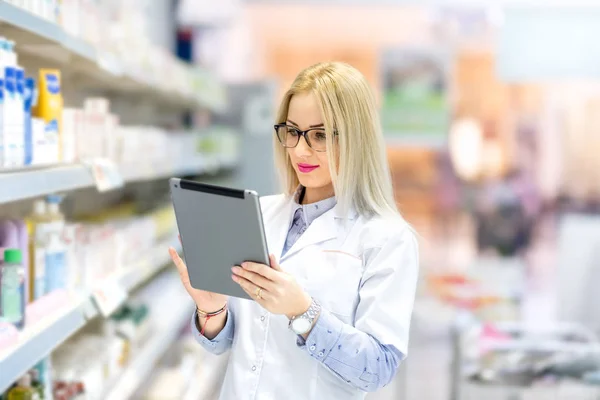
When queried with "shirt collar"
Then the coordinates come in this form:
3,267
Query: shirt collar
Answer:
312,211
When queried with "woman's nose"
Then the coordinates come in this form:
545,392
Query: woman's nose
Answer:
303,149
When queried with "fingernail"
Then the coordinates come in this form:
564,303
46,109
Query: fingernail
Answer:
244,265
234,277
235,269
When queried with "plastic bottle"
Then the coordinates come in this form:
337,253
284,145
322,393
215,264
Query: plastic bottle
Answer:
56,251
1,119
18,139
3,61
9,238
29,100
36,382
13,290
49,108
23,237
23,390
43,379
37,225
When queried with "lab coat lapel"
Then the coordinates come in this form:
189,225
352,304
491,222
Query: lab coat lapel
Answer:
321,230
277,225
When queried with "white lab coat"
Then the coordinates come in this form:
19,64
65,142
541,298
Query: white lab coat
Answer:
362,270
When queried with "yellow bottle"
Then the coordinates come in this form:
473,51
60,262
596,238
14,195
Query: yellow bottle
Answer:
37,226
23,390
49,108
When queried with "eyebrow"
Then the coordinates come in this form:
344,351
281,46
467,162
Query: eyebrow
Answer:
311,126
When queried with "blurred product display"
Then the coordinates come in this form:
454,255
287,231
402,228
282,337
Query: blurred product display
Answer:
494,160
94,116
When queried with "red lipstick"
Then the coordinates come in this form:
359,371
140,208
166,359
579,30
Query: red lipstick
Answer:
306,168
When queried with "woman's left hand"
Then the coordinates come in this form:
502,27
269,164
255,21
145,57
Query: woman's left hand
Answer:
272,288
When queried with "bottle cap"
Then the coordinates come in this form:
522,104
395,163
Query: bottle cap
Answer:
13,256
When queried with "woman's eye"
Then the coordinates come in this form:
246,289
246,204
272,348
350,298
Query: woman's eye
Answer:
320,135
292,132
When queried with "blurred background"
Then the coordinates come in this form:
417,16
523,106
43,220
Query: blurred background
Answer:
488,109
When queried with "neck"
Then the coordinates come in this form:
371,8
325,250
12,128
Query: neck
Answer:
313,195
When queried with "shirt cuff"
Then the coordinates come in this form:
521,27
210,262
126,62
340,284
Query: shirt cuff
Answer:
323,337
225,334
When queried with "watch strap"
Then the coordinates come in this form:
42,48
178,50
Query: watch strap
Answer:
311,314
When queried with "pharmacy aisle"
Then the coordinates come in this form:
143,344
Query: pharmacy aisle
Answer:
90,132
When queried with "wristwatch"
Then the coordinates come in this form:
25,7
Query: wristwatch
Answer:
302,323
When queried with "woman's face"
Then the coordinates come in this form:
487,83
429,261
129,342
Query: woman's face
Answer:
312,167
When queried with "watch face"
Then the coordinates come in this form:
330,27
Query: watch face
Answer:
301,325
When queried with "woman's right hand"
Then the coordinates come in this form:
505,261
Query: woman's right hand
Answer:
205,301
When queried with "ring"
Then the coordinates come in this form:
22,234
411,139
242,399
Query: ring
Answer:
258,292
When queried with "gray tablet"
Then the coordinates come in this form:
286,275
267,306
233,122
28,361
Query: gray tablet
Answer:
219,227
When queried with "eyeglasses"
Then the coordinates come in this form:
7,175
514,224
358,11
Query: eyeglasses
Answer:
289,137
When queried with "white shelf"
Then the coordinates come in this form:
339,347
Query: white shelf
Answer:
37,341
137,372
34,182
44,39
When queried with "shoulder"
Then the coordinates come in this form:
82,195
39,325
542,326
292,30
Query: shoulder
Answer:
382,231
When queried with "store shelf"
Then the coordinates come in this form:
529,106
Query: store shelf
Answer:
433,142
141,368
44,39
34,182
38,340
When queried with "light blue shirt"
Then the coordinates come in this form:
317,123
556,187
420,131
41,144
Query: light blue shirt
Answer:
353,355
304,215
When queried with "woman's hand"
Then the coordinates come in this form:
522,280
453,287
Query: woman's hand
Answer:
272,288
205,301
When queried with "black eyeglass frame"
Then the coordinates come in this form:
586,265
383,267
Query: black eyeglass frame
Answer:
300,133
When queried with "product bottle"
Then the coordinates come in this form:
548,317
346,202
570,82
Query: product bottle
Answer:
8,240
49,108
2,88
23,245
56,252
10,101
29,100
36,383
13,108
23,390
13,290
37,225
43,380
3,119
18,142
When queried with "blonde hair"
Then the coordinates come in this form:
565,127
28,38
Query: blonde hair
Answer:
359,168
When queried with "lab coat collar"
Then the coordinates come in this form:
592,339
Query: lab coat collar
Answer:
331,225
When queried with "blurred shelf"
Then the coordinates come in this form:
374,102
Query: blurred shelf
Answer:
44,39
38,340
33,182
139,370
435,142
27,183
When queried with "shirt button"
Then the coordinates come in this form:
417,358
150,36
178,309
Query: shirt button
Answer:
253,368
321,354
262,318
312,348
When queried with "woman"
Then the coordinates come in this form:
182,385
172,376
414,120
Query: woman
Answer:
331,314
